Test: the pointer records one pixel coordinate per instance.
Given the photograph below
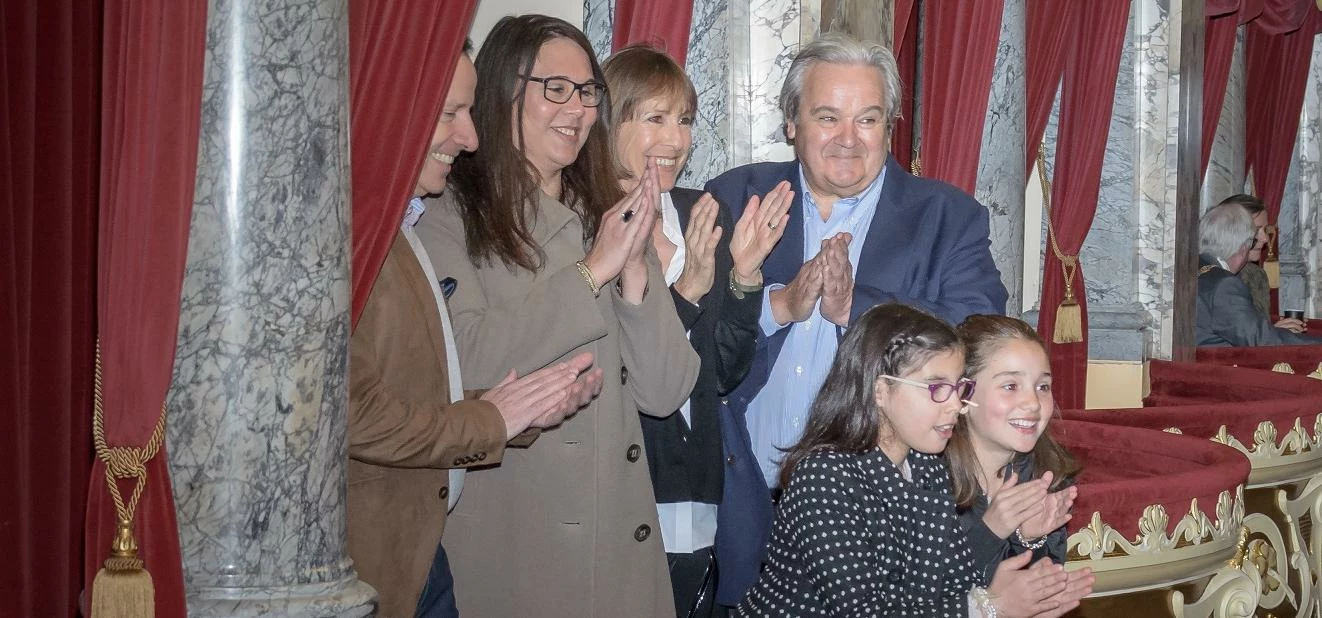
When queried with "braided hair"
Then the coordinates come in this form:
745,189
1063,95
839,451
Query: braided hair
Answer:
888,339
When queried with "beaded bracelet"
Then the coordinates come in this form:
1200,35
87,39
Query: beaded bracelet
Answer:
1035,544
983,598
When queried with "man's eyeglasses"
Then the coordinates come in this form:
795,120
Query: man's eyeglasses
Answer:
560,90
941,391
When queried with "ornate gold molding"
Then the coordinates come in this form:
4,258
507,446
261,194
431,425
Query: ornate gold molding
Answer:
1098,540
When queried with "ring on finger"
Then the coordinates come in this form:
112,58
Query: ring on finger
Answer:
772,225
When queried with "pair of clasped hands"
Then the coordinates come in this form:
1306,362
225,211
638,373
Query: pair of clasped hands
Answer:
627,228
1030,510
544,398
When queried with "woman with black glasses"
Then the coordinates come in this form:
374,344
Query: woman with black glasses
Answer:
549,258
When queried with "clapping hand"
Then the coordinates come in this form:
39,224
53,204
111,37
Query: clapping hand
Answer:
758,230
1055,513
1013,503
837,279
700,251
624,233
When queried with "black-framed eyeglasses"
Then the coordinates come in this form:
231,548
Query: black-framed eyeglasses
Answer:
561,89
941,391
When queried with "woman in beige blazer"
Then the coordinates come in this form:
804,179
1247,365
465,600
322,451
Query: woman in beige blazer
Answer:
546,259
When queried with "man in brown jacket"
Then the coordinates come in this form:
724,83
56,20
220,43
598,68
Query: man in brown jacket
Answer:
408,416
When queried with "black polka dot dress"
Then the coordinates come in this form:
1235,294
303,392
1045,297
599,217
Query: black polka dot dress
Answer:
854,538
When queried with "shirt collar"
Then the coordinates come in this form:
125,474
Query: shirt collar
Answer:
414,212
868,196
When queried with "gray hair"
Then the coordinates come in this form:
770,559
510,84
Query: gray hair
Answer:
1225,230
836,48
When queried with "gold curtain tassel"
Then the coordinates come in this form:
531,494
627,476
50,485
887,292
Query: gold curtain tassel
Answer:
1069,321
123,587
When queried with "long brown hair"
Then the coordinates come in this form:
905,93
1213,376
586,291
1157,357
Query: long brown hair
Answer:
983,336
496,186
886,340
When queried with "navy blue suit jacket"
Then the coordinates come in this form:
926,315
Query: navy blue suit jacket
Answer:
927,247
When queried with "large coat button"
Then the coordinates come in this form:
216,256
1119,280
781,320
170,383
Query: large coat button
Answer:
633,453
444,493
729,461
642,533
624,375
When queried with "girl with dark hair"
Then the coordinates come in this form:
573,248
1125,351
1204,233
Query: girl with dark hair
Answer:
1013,481
866,526
545,257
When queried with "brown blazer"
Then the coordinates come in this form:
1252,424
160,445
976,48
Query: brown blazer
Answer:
567,527
403,431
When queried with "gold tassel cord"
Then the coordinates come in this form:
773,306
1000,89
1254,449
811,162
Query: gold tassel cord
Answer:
123,586
1069,314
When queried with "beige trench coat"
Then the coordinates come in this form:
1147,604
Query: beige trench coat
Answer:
567,527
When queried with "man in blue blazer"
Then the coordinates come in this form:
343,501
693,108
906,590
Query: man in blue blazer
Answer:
862,231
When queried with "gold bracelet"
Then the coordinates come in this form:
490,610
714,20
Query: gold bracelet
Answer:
586,273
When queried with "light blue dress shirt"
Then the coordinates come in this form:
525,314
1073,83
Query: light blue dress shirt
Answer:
776,416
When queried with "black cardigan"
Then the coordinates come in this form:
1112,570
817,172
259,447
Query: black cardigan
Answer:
988,549
686,461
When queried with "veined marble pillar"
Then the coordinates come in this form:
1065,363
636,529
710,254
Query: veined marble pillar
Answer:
259,399
1157,28
1001,173
1301,234
1118,326
1225,165
764,35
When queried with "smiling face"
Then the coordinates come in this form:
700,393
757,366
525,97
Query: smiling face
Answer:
553,133
661,130
840,133
454,131
1014,401
912,419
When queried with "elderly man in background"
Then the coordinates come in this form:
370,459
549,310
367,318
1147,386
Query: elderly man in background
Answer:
1226,315
1253,275
862,231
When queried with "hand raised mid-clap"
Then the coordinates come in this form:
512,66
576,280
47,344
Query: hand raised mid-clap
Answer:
700,241
837,279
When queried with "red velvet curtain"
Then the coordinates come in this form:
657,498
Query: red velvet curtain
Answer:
1223,19
50,81
1044,59
1276,67
1096,33
402,55
150,109
662,23
905,46
959,52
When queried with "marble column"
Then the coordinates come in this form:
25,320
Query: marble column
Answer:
257,433
1225,165
1001,173
1301,233
708,68
599,24
764,35
1157,29
1117,323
